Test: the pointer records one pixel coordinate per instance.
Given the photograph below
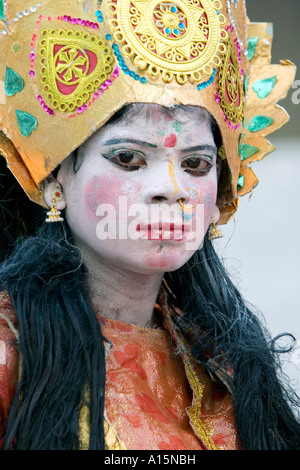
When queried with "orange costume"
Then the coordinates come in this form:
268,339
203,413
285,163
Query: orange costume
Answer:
154,400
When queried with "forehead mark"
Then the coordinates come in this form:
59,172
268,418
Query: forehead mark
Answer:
170,141
172,175
177,127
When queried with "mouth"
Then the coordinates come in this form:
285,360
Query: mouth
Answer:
163,231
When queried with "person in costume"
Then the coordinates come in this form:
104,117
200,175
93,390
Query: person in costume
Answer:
132,336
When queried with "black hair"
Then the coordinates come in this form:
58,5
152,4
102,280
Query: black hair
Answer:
19,217
265,407
62,346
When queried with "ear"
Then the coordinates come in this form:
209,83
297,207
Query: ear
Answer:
51,185
216,215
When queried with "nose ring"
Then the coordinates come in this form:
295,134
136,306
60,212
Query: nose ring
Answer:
199,196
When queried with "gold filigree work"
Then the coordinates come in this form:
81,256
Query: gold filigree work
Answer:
73,65
178,39
231,87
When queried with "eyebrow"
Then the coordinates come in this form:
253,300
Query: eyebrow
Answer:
210,148
128,141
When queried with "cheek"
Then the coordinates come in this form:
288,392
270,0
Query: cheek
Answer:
209,194
99,190
107,189
208,191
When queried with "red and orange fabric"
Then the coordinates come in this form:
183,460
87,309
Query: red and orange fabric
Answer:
154,400
9,362
152,405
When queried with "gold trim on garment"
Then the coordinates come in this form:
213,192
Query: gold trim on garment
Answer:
84,427
112,438
194,411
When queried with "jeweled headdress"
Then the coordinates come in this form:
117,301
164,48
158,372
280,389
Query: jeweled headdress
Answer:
67,66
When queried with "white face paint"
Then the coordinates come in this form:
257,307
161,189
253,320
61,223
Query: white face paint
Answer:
142,163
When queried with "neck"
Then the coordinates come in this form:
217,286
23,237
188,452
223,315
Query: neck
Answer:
120,294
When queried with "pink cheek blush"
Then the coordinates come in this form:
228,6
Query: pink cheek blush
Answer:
209,200
170,141
100,190
209,194
103,190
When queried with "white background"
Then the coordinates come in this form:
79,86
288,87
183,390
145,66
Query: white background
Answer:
261,245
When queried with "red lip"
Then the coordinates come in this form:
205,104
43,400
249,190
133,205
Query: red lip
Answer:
163,231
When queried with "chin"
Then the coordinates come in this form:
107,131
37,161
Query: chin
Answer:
165,259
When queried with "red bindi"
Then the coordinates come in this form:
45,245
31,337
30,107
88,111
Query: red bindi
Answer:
170,141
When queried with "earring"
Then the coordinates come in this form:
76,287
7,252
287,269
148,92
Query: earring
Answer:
54,214
214,232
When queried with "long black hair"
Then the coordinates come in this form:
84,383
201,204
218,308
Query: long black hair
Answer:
265,407
62,350
62,347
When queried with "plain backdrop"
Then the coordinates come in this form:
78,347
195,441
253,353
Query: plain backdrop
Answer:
261,243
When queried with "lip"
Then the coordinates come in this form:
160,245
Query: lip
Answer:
164,231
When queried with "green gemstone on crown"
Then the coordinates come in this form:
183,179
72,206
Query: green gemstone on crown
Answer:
264,87
246,151
259,123
240,183
2,17
252,43
13,82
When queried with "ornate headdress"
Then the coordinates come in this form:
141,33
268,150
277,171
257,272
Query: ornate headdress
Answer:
67,66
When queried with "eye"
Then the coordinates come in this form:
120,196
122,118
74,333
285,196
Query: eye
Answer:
128,159
197,165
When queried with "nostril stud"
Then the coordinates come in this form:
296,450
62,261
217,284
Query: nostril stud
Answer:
199,196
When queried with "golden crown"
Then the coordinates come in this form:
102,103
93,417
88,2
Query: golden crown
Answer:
67,67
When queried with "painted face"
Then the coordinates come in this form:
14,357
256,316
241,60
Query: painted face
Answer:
144,188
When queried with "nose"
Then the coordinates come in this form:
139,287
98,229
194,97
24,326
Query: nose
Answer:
167,186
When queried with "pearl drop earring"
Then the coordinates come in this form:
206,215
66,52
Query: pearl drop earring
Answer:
54,214
214,232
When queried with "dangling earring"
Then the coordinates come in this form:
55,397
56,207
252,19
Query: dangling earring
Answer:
54,214
214,232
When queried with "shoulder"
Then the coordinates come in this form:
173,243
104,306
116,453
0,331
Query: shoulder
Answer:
7,310
9,369
8,332
8,322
